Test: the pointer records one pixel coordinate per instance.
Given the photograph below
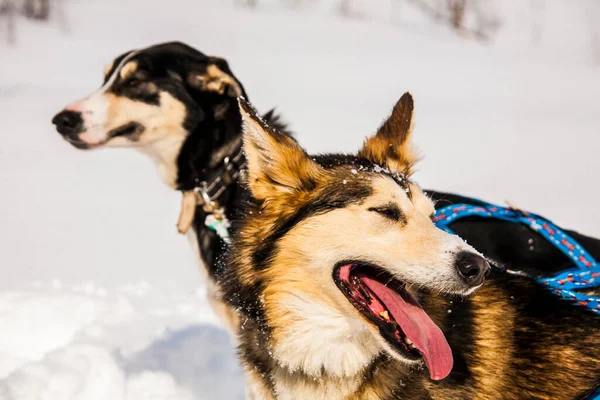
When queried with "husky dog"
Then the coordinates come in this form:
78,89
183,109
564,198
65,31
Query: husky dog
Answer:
346,290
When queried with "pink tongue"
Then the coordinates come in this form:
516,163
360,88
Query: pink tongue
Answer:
426,336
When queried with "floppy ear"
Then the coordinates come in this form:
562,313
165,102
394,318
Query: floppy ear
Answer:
276,163
216,77
391,146
110,69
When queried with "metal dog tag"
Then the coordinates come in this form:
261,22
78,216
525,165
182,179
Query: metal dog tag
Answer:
218,222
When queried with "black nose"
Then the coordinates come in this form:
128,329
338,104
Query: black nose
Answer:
68,123
472,268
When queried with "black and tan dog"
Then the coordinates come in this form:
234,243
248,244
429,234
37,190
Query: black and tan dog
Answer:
346,289
179,107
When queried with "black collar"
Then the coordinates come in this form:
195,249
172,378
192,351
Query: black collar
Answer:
231,160
227,164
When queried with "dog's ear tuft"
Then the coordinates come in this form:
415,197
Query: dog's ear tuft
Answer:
276,163
391,146
215,77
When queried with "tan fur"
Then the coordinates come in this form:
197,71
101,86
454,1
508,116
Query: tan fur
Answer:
276,164
495,340
188,209
227,315
215,80
128,69
255,386
292,386
161,140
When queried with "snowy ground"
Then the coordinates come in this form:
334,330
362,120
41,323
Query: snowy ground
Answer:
100,298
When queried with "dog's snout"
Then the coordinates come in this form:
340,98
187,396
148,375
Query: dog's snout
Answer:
472,268
68,122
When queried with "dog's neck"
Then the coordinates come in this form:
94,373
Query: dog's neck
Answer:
164,153
201,157
381,377
305,382
325,356
187,155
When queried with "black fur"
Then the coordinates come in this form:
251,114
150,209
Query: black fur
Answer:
513,245
541,320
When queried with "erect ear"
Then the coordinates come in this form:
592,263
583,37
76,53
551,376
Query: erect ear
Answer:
391,146
215,76
276,163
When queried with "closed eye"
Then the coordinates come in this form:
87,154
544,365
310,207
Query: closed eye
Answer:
390,211
139,77
133,82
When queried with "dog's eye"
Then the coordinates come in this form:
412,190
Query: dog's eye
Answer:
390,211
133,82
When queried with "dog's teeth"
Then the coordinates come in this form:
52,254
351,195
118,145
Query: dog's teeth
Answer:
385,315
408,342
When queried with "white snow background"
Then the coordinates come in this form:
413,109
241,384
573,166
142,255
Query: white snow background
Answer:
100,298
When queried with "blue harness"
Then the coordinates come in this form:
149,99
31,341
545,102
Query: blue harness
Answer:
585,275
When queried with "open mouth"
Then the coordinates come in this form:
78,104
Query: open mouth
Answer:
385,302
126,130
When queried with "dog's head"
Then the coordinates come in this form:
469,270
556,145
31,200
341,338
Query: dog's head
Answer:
151,99
337,243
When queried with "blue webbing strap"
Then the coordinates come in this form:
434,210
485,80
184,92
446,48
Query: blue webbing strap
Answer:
585,275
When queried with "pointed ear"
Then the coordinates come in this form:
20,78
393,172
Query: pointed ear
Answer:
391,146
276,163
